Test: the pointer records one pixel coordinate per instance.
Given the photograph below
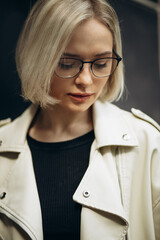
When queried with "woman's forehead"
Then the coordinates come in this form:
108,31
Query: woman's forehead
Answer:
92,38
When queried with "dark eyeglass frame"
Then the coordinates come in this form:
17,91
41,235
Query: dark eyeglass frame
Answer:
118,58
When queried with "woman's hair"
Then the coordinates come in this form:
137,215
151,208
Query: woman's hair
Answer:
45,36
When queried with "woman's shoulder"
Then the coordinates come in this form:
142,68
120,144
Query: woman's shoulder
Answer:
4,122
135,121
145,128
13,133
146,119
134,116
26,115
140,120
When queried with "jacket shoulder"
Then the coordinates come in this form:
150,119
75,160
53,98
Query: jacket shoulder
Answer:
5,122
141,115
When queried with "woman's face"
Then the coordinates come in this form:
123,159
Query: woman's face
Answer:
91,40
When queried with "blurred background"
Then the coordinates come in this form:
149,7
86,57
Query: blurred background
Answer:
140,28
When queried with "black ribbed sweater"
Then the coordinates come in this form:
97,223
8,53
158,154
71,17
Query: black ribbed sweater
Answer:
59,168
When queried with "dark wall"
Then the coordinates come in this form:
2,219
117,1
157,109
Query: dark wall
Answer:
140,49
12,17
139,27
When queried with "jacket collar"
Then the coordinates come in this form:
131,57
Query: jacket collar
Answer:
13,136
99,188
110,126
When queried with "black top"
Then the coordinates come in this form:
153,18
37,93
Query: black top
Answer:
59,168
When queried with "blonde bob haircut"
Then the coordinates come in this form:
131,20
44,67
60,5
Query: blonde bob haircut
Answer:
44,38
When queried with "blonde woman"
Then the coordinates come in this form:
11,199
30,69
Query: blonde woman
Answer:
73,165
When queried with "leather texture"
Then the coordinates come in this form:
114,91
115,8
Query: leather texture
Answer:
119,192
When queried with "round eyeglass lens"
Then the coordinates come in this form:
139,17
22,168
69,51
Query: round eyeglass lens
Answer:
68,67
104,67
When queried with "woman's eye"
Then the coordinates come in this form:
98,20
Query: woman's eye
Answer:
103,63
65,66
100,65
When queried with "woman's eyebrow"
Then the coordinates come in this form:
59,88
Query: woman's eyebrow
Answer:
67,54
103,53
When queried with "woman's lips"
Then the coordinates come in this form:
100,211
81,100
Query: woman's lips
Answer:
80,97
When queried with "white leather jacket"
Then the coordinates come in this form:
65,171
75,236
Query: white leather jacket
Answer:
119,193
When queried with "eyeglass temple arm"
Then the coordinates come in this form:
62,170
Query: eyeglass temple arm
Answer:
116,54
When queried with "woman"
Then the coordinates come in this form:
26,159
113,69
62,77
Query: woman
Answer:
74,166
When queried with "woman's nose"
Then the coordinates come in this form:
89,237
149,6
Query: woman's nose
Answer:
85,76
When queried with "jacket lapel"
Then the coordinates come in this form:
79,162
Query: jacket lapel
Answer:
21,203
101,183
99,192
103,216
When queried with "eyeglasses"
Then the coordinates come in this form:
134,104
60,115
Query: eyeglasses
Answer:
102,67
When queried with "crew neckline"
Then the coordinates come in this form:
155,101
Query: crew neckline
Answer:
76,142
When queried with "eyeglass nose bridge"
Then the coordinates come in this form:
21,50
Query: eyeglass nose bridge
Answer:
84,62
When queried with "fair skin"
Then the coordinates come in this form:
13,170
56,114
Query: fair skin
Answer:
72,117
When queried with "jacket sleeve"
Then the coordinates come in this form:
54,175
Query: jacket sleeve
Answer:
155,175
154,139
4,122
156,215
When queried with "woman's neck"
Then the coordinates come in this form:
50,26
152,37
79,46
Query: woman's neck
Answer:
57,124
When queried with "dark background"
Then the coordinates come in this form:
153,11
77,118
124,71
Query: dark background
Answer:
139,28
